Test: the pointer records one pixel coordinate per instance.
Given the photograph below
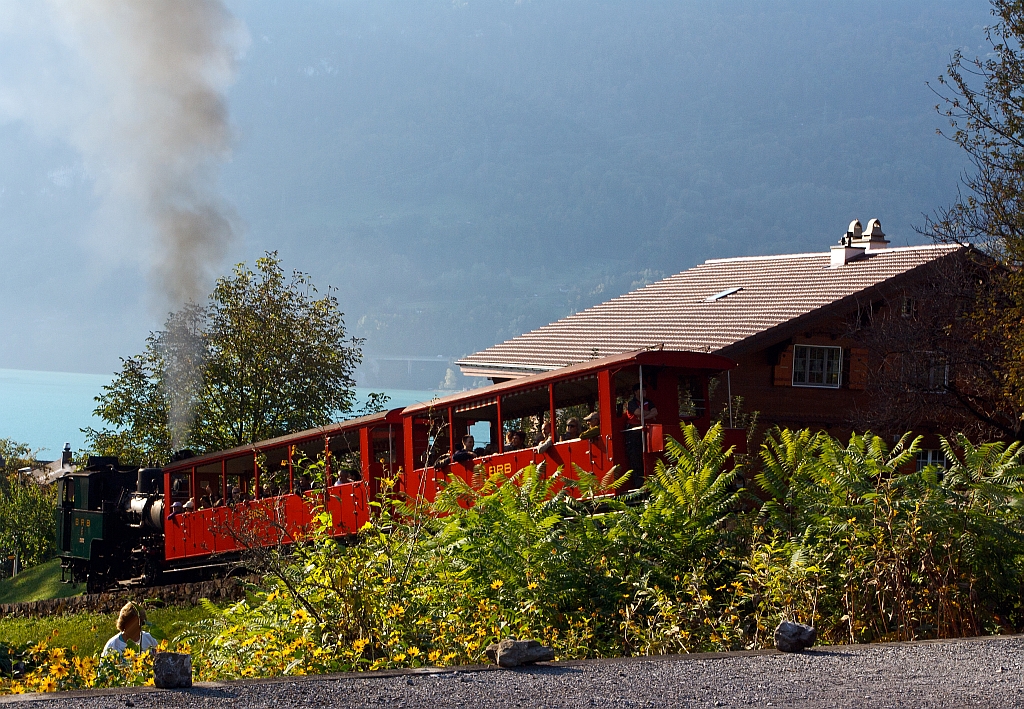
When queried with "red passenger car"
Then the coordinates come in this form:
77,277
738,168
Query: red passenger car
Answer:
267,493
539,406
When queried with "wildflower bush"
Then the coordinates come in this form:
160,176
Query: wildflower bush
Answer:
42,668
707,556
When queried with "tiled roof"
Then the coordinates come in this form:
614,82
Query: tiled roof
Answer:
680,313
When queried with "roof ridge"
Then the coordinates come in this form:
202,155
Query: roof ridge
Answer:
879,252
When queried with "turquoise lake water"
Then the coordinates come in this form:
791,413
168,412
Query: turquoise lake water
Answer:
47,409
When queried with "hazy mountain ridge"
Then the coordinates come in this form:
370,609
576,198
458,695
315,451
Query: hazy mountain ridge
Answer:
464,172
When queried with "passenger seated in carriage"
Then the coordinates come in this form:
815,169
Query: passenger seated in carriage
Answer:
515,441
464,451
572,430
593,429
348,475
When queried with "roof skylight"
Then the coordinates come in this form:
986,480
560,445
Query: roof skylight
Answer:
723,294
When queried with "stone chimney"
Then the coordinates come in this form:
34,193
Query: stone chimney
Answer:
849,247
872,238
858,242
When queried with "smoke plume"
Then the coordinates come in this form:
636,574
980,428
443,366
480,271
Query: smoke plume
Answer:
182,347
153,136
157,129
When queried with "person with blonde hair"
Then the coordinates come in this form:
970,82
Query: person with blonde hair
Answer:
129,625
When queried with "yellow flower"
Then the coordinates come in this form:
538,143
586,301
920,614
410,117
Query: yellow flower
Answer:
399,657
433,655
532,585
359,644
48,685
497,584
413,651
59,670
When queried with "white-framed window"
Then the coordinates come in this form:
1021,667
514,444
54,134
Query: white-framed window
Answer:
930,456
816,366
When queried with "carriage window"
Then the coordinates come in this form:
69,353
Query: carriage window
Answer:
385,448
207,489
575,400
691,397
309,464
180,486
430,438
273,466
240,476
480,420
346,463
623,385
526,412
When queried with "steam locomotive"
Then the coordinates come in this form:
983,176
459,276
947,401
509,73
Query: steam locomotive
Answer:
110,523
196,514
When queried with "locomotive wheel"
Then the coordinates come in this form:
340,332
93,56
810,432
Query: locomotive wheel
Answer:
151,573
96,583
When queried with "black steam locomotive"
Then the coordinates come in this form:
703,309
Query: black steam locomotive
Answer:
110,522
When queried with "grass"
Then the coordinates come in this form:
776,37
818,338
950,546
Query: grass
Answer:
88,632
37,584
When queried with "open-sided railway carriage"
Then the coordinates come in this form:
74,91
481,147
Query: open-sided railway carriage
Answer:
116,523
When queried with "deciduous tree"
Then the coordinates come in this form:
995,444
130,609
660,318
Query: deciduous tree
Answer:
983,99
266,355
27,525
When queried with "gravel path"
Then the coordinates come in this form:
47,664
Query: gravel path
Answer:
982,672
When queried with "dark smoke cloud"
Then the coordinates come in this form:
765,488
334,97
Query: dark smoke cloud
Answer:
153,132
157,129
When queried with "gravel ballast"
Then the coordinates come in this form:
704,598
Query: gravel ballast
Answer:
980,672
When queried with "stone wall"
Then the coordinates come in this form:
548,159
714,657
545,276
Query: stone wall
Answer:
182,594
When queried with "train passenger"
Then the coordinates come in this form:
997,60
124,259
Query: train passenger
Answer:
515,441
593,430
650,412
129,629
464,451
572,430
189,505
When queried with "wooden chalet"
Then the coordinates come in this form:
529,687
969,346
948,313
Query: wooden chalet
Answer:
794,323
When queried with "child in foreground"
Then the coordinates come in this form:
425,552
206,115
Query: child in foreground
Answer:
129,625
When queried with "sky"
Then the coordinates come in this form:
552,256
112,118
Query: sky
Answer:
460,172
